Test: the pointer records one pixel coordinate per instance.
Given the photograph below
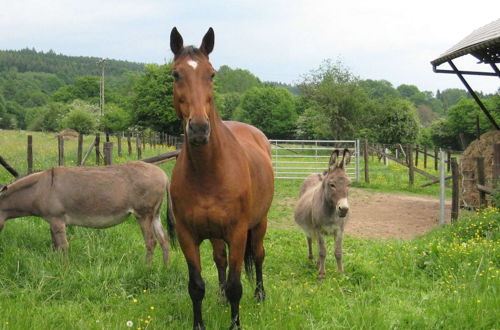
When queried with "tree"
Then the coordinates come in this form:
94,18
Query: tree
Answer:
152,103
379,89
399,124
228,104
115,119
47,118
336,107
271,109
229,80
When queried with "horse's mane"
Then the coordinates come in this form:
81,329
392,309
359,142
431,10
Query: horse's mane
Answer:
190,51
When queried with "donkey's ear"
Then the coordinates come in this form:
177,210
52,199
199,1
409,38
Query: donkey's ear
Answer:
207,44
346,158
333,159
176,42
2,188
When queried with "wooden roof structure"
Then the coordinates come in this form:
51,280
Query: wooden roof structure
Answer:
484,44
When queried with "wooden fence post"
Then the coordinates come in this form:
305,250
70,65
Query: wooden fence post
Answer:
30,154
97,151
448,166
455,190
481,181
416,156
365,154
425,157
496,165
80,149
60,145
139,147
436,158
129,144
411,174
108,153
119,144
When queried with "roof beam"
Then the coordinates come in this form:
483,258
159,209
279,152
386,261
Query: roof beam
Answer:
471,91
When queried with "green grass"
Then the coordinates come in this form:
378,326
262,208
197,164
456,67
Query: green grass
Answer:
447,279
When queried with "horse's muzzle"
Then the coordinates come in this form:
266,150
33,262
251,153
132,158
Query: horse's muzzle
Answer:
198,132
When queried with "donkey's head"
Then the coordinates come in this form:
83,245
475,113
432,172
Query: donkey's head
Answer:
193,75
336,182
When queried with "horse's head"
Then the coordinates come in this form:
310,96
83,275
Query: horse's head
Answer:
193,75
336,182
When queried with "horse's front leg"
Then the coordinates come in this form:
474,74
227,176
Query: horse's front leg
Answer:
196,286
237,244
220,259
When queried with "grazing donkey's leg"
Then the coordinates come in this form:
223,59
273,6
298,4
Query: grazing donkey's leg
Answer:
321,256
220,258
160,236
309,246
339,236
145,221
58,232
259,253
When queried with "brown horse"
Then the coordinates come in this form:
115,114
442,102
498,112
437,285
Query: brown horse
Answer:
222,182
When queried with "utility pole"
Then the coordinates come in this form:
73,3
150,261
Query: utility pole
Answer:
101,63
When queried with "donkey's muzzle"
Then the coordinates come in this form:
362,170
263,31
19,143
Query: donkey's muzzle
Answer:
198,132
343,211
342,207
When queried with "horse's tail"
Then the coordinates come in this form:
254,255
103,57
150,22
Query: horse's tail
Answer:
249,256
170,219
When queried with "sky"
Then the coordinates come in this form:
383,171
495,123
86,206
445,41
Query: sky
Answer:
277,40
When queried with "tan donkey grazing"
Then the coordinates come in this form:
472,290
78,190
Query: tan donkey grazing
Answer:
323,209
95,197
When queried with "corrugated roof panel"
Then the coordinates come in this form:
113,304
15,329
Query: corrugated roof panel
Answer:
485,37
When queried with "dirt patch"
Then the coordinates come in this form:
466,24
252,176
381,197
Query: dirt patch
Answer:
383,215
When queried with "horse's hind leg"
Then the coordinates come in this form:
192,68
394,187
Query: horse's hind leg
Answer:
258,233
145,221
160,236
220,259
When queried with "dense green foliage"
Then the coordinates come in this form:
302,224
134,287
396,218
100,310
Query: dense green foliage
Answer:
37,90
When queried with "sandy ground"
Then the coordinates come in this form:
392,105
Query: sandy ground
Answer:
384,215
380,215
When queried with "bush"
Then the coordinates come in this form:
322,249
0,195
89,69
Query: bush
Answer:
81,121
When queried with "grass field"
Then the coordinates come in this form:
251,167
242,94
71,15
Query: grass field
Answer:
447,279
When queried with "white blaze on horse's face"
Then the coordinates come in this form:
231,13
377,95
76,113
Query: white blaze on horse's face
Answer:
192,64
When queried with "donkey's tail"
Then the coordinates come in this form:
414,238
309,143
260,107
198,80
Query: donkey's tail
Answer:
170,219
249,256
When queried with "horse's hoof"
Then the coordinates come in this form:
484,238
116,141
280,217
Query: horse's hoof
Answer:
321,277
260,295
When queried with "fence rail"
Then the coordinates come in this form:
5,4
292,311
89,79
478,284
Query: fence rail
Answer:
296,159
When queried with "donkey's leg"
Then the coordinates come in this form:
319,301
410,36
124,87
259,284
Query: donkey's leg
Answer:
145,221
58,232
237,245
220,259
321,256
191,249
339,236
160,236
309,246
259,253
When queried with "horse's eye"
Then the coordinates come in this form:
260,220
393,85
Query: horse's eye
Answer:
176,76
212,76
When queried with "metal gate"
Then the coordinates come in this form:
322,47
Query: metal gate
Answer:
296,159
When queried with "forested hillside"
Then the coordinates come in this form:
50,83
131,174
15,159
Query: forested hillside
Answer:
49,92
64,67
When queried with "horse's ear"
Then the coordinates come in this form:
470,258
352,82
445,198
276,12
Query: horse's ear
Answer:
346,158
176,42
207,44
333,160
